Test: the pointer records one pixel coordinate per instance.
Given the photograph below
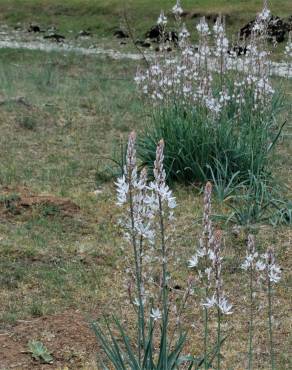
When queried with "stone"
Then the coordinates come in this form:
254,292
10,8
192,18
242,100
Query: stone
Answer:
155,34
277,28
55,36
143,43
84,33
120,34
34,28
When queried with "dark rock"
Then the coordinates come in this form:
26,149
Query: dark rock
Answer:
123,43
34,28
277,29
196,15
156,34
120,34
246,30
143,43
185,14
84,33
211,17
158,49
238,50
289,24
56,37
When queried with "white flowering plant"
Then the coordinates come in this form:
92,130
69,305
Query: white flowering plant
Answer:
148,223
211,103
148,226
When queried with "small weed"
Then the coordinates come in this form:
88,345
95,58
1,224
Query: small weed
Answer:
9,202
40,352
28,122
36,309
50,209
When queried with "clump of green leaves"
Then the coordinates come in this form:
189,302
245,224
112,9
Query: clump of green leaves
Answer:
28,122
40,352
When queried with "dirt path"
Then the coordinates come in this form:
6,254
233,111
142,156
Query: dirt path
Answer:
278,69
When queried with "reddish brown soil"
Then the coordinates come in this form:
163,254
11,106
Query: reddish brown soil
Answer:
21,200
67,336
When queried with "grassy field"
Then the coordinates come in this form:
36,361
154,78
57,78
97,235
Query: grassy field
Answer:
103,16
56,257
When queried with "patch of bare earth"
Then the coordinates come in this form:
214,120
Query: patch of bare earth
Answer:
22,200
67,336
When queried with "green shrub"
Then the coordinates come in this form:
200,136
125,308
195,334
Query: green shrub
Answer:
198,147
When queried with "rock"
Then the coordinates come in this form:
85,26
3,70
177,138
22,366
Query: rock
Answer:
212,17
289,24
155,34
245,31
238,50
120,34
55,36
34,28
196,15
52,29
277,28
185,14
143,43
168,49
84,33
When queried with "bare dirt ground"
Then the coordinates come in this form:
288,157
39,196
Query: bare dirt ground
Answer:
67,336
23,200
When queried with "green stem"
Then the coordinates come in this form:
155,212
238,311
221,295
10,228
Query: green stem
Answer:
164,287
218,339
206,338
137,273
270,325
250,353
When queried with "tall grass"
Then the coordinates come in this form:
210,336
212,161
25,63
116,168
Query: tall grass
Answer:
197,148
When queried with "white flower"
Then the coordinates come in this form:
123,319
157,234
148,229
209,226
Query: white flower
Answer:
184,33
177,10
210,302
212,104
260,265
155,314
162,20
203,27
208,272
193,262
247,262
218,27
122,190
265,14
211,255
136,302
274,273
224,306
201,251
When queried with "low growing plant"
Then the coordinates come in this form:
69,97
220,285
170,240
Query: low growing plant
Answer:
40,352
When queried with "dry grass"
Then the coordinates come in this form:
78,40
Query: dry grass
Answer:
50,262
